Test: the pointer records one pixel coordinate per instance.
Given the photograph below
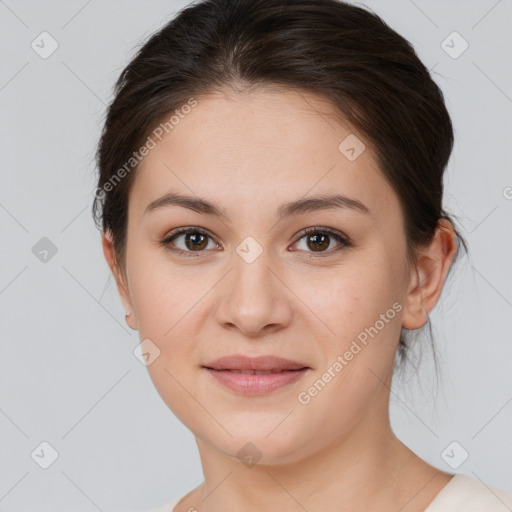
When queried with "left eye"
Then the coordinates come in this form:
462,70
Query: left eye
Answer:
319,240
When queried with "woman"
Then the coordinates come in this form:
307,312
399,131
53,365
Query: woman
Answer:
270,197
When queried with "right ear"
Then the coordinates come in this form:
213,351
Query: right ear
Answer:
122,287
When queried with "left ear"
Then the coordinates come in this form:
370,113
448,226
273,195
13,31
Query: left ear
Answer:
429,275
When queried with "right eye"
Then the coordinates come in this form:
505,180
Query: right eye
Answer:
195,240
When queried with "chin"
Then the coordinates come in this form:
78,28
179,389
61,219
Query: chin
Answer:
256,446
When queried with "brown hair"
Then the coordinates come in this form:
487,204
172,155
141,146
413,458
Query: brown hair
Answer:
344,53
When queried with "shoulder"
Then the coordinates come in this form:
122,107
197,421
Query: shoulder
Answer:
466,493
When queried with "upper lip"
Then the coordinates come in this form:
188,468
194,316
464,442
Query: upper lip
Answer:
261,363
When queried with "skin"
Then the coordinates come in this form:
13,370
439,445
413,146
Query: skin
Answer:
250,152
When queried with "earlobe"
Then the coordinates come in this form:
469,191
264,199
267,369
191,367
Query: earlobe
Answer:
129,322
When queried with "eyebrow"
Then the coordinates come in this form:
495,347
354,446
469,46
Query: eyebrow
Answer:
298,207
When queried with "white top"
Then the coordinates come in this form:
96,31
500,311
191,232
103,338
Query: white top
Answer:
462,493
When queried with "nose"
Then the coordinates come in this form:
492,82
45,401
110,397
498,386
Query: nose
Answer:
253,298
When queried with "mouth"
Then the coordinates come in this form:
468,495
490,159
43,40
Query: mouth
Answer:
255,376
254,372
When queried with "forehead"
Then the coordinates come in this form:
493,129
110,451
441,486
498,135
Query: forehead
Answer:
264,146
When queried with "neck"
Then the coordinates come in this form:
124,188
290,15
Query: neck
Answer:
369,469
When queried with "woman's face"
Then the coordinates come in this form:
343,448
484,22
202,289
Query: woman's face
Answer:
252,283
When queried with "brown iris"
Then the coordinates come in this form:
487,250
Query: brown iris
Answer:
317,244
199,241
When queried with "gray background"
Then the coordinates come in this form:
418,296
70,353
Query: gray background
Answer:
67,369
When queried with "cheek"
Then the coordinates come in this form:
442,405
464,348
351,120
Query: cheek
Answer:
161,293
364,315
350,299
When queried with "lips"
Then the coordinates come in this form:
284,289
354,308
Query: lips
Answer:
254,372
265,364
255,376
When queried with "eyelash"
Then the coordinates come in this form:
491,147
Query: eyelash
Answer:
344,241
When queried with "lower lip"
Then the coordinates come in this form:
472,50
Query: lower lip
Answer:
249,384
